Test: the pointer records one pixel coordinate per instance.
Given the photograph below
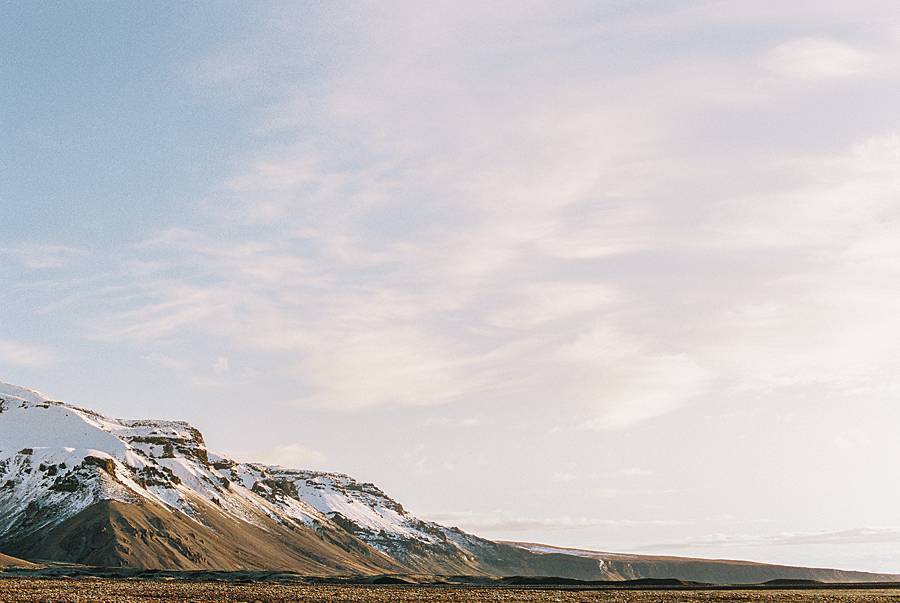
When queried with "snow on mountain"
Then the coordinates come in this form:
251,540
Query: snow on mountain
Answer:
64,458
56,460
360,508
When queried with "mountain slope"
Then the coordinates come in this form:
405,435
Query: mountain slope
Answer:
11,562
142,534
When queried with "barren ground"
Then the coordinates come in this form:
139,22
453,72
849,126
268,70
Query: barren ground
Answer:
128,591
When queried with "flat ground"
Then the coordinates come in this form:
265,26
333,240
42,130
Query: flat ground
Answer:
129,591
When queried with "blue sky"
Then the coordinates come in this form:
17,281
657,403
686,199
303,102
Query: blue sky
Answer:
610,274
106,136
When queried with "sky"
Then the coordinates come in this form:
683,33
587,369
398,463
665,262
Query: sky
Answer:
612,275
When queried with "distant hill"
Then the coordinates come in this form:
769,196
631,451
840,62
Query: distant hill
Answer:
623,566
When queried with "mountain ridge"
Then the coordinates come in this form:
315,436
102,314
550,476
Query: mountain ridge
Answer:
79,487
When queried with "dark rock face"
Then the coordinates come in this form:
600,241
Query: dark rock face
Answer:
106,464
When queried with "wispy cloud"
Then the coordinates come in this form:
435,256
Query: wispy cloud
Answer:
505,522
292,456
821,58
431,227
591,475
165,361
853,536
26,355
43,257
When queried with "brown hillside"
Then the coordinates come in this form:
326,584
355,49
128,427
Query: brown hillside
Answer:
8,562
148,535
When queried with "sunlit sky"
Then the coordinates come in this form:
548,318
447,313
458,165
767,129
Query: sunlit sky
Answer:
615,275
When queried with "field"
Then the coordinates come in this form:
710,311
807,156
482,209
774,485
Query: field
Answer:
16,590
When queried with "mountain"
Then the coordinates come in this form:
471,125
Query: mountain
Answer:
622,566
79,487
76,486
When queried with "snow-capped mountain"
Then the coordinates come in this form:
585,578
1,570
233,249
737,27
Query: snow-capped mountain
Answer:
79,487
158,498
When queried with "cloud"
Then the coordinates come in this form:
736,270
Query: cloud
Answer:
625,472
853,536
220,365
456,215
43,257
293,456
850,439
453,423
396,366
820,59
504,522
26,355
627,380
165,361
536,304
